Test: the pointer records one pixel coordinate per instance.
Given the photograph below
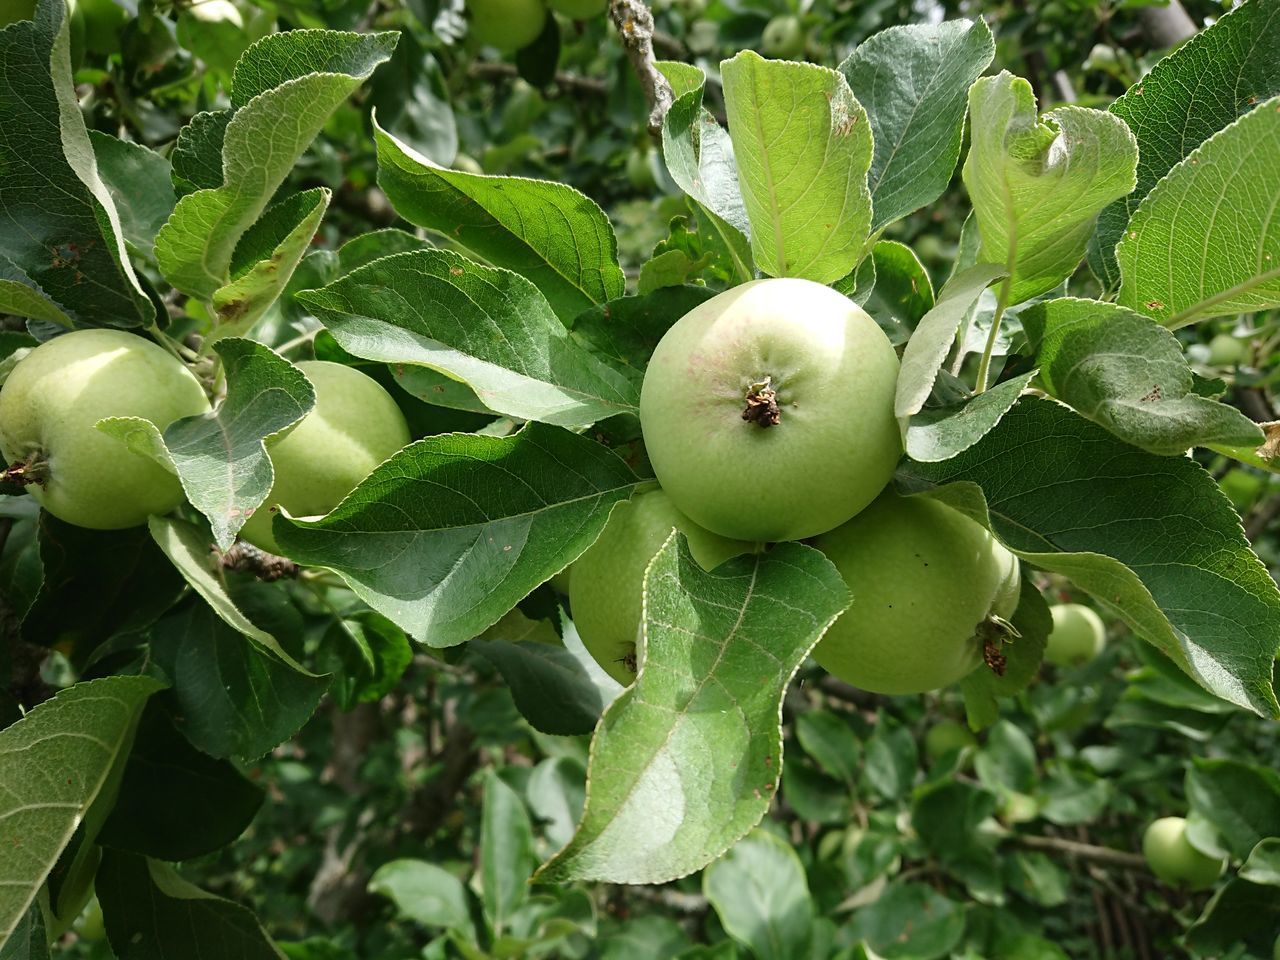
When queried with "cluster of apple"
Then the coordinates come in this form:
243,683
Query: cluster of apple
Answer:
56,395
511,25
767,415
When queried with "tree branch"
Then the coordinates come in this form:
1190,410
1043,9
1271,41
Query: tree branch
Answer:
1083,851
635,26
567,82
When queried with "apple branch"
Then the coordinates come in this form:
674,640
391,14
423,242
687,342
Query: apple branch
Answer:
1083,851
635,26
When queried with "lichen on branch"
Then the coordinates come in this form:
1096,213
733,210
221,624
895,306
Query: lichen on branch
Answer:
635,26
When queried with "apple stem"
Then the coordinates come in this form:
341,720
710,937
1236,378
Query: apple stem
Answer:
35,469
762,404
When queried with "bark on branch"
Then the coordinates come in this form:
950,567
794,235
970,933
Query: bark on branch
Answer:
635,26
1083,851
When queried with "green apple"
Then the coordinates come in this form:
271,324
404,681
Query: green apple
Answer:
607,581
946,737
640,170
508,25
1226,351
767,411
1016,807
1275,951
53,399
89,925
783,37
1077,637
354,426
579,9
927,583
1174,860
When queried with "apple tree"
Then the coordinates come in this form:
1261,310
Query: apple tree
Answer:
506,479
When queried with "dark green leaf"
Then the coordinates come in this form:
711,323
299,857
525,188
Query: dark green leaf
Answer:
175,802
1151,537
440,540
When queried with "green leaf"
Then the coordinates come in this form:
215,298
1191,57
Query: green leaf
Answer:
1202,86
559,690
168,785
1240,800
371,656
910,921
903,292
264,260
97,584
60,233
548,232
1037,185
699,155
140,182
680,770
411,95
55,762
829,739
761,895
506,852
555,794
1240,914
803,147
891,761
151,913
623,333
221,457
1128,374
197,155
234,701
928,347
1205,242
424,893
1007,761
913,80
1153,538
940,433
485,326
188,549
28,941
302,75
1263,863
443,540
948,816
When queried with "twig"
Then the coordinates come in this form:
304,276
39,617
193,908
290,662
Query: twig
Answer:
1083,851
635,26
839,690
568,82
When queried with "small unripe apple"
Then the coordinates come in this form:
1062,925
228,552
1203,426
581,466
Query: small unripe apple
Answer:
508,25
640,170
931,587
48,410
767,411
783,37
579,9
1226,351
89,925
354,427
946,737
605,589
1077,637
1174,860
1275,951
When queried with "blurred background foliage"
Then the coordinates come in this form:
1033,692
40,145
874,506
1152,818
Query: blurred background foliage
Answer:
412,807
